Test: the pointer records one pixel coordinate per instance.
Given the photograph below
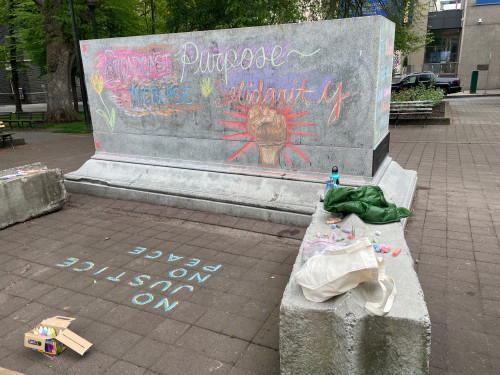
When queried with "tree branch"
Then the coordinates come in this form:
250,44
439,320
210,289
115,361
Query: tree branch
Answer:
39,3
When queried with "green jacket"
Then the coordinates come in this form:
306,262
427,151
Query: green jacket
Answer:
367,202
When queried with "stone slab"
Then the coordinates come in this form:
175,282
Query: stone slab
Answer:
29,196
286,198
291,97
339,336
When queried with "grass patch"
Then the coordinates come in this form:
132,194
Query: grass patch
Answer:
77,127
69,127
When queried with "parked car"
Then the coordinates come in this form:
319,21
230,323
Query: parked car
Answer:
448,85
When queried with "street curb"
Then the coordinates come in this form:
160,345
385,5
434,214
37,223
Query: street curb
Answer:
469,96
430,121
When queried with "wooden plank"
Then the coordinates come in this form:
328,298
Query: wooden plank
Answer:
420,107
412,106
412,109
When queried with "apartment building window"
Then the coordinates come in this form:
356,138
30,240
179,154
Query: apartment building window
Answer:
440,5
444,48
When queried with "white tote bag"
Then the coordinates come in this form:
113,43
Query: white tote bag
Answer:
337,271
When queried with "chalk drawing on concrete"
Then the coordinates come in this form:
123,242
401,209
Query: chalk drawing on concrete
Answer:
302,54
386,58
269,129
206,88
109,117
193,271
143,80
198,59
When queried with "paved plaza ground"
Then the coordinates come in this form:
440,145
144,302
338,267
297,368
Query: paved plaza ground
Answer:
228,322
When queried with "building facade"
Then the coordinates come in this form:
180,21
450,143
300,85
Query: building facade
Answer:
32,80
466,38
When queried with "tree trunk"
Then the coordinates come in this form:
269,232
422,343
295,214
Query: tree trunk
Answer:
146,15
73,83
152,17
73,88
15,81
13,59
59,98
59,51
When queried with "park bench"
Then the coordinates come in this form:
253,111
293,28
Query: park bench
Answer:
6,118
5,135
23,118
37,118
420,108
32,118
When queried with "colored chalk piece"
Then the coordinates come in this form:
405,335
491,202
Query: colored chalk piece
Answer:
334,226
396,252
332,220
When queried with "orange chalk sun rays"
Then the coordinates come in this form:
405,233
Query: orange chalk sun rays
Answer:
282,110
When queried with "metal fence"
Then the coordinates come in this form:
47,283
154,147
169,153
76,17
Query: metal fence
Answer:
445,69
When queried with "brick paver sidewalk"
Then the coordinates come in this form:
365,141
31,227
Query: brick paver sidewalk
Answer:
65,151
454,232
104,261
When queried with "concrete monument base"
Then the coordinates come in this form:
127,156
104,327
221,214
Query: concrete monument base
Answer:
288,198
31,195
339,336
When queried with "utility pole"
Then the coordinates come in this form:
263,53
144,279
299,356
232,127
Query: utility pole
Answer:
88,124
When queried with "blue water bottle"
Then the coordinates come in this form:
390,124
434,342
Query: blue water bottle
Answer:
335,177
333,181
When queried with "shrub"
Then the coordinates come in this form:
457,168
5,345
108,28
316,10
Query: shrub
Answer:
418,93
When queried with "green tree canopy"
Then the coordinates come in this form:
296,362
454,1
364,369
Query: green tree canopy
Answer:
198,15
43,32
411,34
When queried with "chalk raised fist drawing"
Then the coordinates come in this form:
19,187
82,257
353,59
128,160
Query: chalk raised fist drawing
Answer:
269,131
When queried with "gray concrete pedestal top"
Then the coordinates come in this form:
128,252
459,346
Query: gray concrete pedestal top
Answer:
339,336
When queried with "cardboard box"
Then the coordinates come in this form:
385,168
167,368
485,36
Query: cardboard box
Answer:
55,346
4,371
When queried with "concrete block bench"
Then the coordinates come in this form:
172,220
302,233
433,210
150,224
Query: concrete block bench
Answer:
31,195
339,336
